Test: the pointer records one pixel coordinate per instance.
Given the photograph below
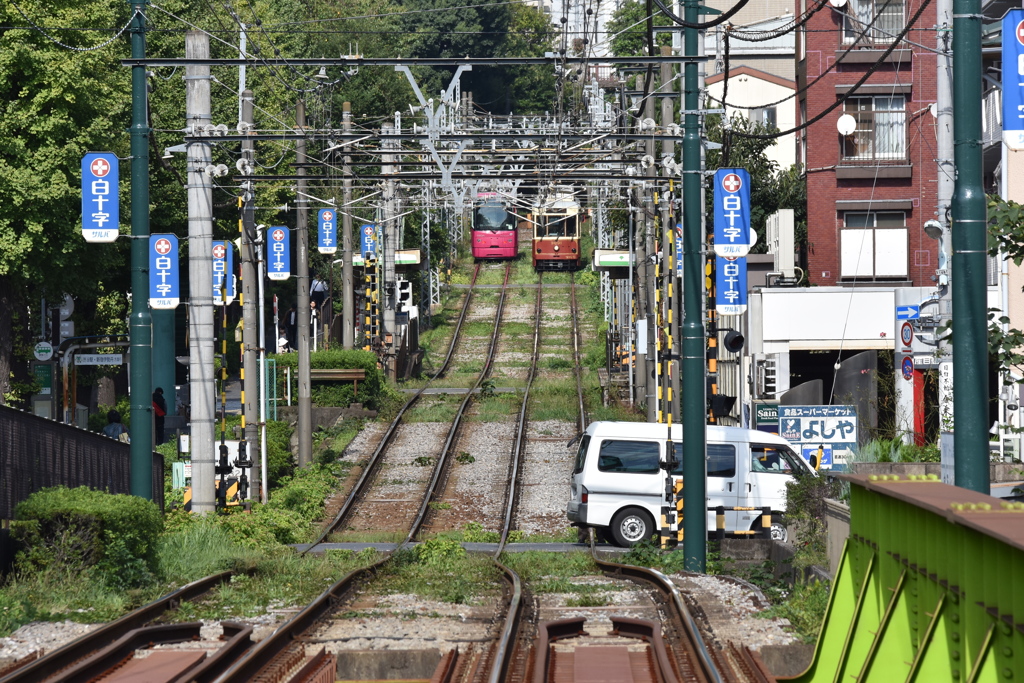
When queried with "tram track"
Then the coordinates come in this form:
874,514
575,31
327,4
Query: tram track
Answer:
60,664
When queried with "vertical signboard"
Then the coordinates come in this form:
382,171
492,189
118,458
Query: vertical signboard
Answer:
732,212
328,233
279,254
100,208
164,281
223,272
368,240
1013,79
731,285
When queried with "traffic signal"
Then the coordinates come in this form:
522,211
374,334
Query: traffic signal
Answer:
734,341
404,295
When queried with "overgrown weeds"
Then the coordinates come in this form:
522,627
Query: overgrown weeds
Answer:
441,569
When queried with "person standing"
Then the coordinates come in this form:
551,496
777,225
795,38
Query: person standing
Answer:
159,412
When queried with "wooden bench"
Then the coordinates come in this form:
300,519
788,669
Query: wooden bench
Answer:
338,375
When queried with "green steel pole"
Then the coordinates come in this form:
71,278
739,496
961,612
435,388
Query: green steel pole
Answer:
140,323
970,317
693,384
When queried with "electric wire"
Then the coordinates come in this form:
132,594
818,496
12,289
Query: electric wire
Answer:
849,93
53,40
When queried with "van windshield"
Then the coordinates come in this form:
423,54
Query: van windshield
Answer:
775,459
721,460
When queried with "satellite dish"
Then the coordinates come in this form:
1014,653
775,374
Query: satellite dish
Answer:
846,124
837,3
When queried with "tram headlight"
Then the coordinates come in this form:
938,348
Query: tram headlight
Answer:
556,247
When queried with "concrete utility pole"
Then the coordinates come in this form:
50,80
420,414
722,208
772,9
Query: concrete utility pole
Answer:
387,254
250,294
970,319
946,174
200,275
305,401
650,283
348,301
693,384
140,323
639,247
668,151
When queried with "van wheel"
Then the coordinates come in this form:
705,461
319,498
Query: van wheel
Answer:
779,532
631,526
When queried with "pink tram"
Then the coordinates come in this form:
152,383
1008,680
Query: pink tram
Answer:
495,230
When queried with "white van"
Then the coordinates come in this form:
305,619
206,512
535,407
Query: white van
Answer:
618,486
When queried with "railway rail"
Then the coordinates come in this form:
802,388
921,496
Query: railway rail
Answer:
51,666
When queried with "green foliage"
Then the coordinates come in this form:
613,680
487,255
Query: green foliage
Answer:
440,552
648,553
84,528
474,532
628,28
441,569
804,608
894,450
464,458
373,391
805,512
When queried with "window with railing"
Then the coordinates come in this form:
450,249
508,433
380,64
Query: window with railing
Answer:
887,16
881,131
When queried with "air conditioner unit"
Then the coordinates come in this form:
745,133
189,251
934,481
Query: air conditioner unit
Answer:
782,242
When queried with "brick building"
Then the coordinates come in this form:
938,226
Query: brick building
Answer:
870,191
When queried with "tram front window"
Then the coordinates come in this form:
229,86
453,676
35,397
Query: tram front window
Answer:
561,227
494,218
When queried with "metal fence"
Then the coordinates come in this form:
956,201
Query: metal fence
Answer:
37,453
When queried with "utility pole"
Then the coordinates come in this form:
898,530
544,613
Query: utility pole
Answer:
140,325
390,233
200,275
693,384
946,174
250,295
305,401
639,247
669,229
970,319
348,305
650,284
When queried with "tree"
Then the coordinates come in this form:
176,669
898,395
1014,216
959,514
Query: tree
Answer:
628,29
56,104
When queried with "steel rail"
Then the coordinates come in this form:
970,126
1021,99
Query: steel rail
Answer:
442,459
694,648
503,648
81,648
376,457
266,651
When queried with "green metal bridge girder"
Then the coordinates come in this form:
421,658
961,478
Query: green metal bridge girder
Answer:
930,587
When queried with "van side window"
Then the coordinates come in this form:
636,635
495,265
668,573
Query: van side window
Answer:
581,454
632,457
771,459
721,460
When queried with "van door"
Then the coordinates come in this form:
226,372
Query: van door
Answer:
771,466
722,483
627,472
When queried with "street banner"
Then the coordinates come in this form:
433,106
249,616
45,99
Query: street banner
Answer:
100,208
279,253
1013,79
223,272
328,233
732,212
731,285
164,279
